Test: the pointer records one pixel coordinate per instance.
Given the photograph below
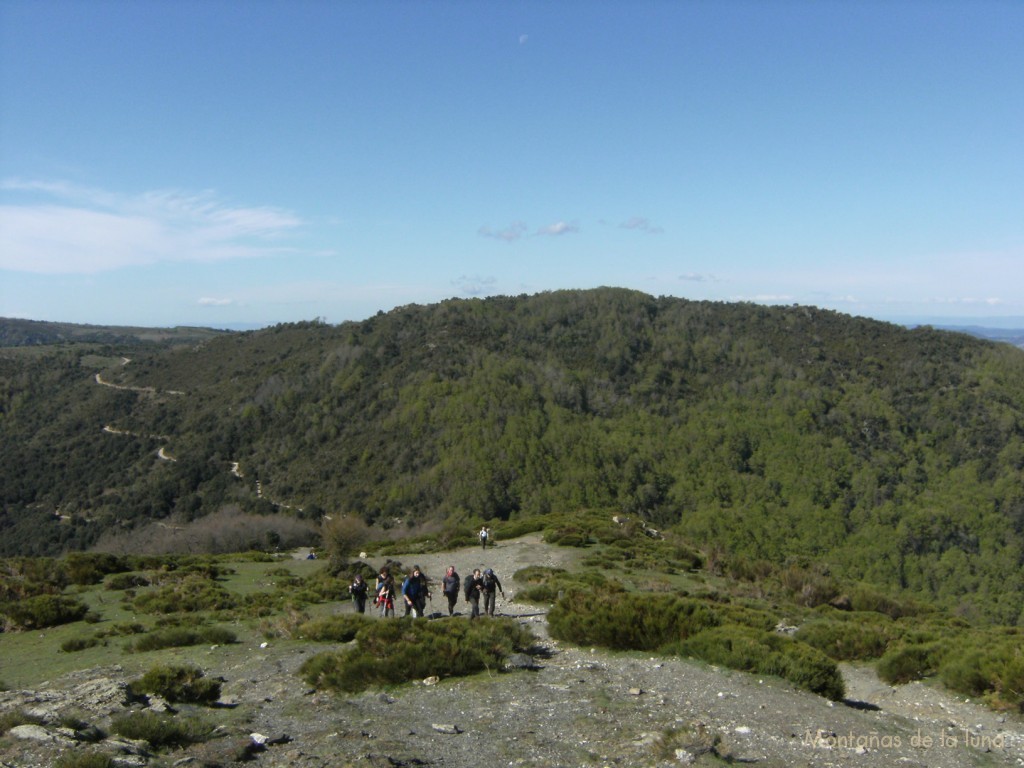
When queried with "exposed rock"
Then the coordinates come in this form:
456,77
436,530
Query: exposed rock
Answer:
33,732
446,728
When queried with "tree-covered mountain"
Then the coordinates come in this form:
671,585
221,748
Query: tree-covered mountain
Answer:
788,434
27,333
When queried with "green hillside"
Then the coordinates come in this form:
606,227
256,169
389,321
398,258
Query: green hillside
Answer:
789,435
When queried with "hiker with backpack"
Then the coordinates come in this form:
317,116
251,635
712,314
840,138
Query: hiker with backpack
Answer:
450,587
385,598
490,586
484,536
415,593
358,589
474,588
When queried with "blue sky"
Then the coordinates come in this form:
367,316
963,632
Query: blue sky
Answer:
230,163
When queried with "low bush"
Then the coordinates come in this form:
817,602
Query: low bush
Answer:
74,644
284,626
568,536
90,567
121,581
988,664
768,653
161,731
43,611
546,585
625,621
853,637
184,684
339,629
909,662
537,574
393,652
190,594
864,598
84,760
178,637
121,629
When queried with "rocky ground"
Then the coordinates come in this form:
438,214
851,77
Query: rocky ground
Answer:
575,707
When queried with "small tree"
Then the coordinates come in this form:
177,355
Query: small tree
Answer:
342,537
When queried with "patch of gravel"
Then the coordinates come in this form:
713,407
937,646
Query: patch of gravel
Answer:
577,706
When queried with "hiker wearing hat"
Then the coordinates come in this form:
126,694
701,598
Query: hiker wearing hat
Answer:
490,585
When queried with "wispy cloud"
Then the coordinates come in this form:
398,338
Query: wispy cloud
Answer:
558,228
641,224
207,301
474,285
509,234
59,228
697,277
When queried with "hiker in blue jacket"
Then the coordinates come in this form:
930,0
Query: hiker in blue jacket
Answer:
415,593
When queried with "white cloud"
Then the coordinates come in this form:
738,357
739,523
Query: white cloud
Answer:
64,228
642,224
510,234
558,228
207,301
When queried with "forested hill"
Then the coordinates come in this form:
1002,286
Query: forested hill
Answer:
891,456
26,333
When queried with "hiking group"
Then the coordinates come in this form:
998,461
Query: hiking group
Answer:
415,591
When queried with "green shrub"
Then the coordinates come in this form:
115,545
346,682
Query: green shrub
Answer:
987,664
568,536
84,760
853,637
122,628
161,731
548,584
867,599
192,593
185,684
319,587
43,611
909,662
178,637
90,567
338,629
769,653
622,621
73,644
537,574
121,581
392,652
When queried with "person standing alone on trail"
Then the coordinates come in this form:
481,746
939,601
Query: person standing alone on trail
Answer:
490,585
484,536
450,586
358,589
415,593
474,588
